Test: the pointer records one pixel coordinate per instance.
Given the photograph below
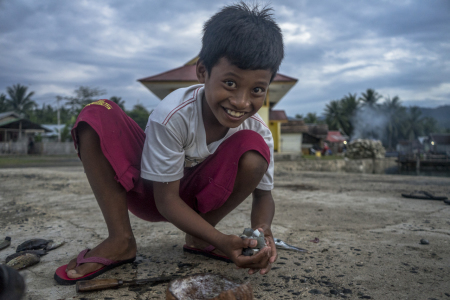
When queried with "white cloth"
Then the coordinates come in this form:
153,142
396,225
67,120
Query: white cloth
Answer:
176,138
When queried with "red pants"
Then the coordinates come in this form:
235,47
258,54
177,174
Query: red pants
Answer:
204,187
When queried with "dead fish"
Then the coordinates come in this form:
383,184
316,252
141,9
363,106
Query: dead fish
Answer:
282,245
33,244
24,261
35,252
249,233
5,243
54,244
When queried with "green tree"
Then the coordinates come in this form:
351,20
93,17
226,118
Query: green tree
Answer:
413,123
311,118
334,116
4,106
429,125
299,116
118,101
19,100
370,98
83,96
395,113
349,105
140,115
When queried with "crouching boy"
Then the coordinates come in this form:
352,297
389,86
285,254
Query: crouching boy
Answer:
205,149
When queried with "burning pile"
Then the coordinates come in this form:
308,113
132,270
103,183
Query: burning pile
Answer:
359,148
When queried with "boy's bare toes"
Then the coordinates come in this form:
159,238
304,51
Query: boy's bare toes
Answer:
83,270
72,264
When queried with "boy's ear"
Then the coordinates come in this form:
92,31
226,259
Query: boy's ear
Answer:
201,71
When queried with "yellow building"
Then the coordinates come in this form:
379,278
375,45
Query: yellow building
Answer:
163,84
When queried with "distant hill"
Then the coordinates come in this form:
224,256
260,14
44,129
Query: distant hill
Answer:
441,114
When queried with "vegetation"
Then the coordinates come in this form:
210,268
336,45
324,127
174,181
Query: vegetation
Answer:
369,117
19,100
357,117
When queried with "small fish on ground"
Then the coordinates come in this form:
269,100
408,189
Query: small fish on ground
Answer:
54,244
33,244
282,245
24,261
17,254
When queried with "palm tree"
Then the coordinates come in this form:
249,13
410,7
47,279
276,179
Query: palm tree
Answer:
118,101
19,100
349,105
413,126
83,96
311,118
370,98
334,116
394,111
4,106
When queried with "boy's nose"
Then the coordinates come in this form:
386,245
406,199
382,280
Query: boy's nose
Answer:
240,100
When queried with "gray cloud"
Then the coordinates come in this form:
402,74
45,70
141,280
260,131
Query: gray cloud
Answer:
333,47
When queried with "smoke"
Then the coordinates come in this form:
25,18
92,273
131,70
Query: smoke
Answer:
369,123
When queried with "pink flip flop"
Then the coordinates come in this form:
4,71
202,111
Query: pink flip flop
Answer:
62,278
208,252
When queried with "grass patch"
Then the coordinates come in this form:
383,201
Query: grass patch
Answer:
27,160
327,157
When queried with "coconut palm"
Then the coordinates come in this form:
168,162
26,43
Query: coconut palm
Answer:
349,105
334,116
83,96
370,98
413,126
19,100
4,106
311,118
394,111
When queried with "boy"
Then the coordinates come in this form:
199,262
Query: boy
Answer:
205,149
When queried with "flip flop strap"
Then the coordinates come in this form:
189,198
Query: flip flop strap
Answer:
210,248
100,260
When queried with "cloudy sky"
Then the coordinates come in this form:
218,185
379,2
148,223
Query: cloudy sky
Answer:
333,47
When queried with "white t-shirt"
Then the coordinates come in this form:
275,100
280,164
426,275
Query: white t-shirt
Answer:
176,138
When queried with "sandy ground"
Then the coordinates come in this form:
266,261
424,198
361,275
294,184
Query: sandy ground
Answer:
369,236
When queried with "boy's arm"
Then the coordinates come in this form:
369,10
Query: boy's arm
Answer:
176,211
263,210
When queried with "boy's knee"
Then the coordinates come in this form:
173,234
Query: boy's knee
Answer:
253,163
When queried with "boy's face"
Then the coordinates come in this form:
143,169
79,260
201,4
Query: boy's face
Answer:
233,94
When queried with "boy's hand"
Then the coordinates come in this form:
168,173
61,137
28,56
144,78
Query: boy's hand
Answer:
233,246
273,252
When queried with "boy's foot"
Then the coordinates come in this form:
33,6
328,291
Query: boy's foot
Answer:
113,249
194,242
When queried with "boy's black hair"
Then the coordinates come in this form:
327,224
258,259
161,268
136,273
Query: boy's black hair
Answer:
248,37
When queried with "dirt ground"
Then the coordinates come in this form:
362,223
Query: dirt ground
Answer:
369,236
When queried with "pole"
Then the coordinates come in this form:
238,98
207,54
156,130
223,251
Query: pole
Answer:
58,98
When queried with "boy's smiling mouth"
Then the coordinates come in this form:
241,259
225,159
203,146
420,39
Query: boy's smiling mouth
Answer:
233,113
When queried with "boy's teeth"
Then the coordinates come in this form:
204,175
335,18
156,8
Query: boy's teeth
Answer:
235,113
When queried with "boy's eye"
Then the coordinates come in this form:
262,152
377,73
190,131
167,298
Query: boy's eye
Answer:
258,90
230,83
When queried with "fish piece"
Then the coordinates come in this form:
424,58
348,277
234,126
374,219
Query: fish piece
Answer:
282,245
36,252
54,244
24,261
248,232
4,244
33,244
